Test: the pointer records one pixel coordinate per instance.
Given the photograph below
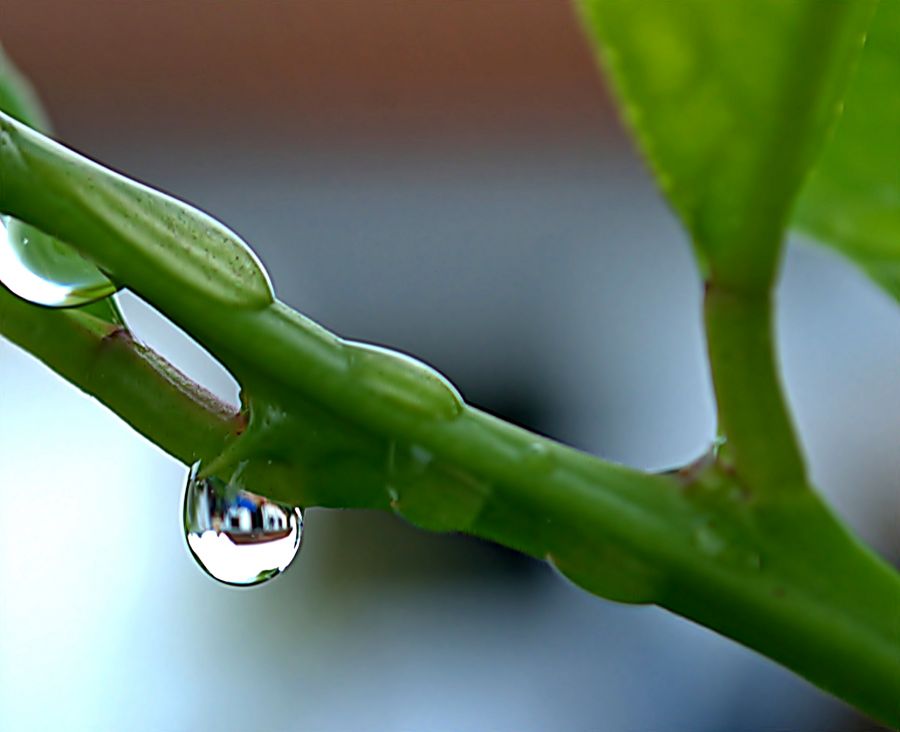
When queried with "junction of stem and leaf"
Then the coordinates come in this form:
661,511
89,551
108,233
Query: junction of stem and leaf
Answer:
736,541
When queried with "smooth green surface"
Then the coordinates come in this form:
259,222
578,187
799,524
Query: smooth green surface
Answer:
738,542
761,444
166,235
17,98
334,423
852,200
783,578
731,102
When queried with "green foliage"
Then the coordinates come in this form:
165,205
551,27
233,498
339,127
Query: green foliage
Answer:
17,98
852,201
732,102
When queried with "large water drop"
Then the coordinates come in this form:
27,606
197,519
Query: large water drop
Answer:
236,536
41,269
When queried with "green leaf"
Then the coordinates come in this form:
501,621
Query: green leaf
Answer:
852,200
731,102
17,98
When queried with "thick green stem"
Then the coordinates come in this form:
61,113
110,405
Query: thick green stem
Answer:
335,423
696,547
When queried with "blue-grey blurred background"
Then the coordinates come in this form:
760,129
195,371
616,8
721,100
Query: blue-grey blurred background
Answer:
447,177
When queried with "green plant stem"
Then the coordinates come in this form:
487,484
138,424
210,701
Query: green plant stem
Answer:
333,423
105,361
693,545
751,407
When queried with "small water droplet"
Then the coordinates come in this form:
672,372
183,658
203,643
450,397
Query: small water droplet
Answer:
41,269
708,541
238,537
430,492
538,458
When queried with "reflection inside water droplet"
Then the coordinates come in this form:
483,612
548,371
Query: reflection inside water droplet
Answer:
41,269
238,537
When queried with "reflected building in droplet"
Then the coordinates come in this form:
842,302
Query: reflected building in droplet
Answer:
238,537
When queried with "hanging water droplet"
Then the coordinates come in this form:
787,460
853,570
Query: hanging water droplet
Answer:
236,536
41,269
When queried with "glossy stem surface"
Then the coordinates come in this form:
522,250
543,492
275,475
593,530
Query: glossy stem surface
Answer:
784,579
332,423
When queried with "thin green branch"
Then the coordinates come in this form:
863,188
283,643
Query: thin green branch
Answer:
335,423
692,544
105,361
752,412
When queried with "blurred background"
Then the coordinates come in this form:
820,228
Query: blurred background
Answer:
447,177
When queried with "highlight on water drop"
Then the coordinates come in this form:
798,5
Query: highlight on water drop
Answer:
238,537
41,269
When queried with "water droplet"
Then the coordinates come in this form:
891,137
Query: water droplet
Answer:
538,458
238,537
708,540
719,442
432,493
41,269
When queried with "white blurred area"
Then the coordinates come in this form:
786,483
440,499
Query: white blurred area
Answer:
550,284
